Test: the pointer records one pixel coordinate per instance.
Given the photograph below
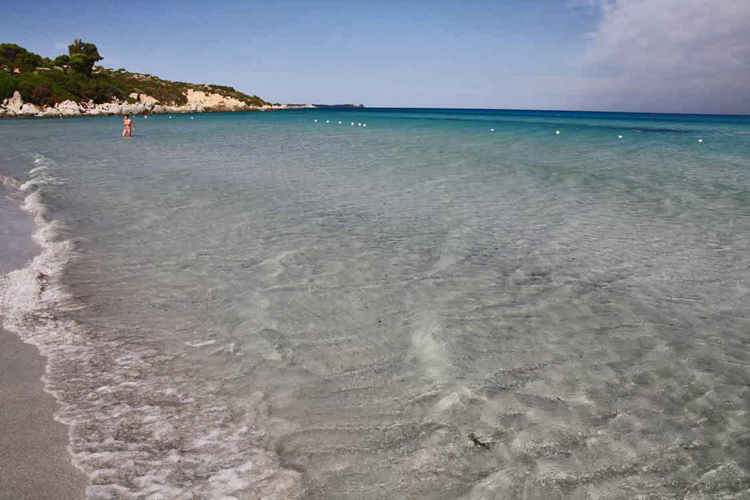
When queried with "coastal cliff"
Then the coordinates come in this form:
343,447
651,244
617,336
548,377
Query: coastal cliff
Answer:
197,102
71,85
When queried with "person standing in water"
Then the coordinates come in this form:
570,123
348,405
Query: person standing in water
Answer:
129,127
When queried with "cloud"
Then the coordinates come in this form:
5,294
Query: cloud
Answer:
693,55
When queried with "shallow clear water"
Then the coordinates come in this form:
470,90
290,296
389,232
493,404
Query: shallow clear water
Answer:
265,306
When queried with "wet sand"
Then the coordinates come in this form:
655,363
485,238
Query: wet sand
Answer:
34,464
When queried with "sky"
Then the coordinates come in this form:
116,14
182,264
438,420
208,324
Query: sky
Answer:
683,56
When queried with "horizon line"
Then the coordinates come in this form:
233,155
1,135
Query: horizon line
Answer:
356,107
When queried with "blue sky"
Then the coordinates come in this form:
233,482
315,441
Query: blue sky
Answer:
649,55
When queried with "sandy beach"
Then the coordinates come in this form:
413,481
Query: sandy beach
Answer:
35,464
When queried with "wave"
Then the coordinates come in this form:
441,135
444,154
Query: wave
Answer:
131,430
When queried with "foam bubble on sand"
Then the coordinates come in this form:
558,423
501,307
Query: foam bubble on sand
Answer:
200,343
428,347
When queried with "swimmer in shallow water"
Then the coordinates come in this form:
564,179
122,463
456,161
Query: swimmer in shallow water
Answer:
128,128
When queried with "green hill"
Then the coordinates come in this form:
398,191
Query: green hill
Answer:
74,76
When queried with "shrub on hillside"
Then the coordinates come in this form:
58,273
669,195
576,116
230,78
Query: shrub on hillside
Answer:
42,82
8,85
14,56
62,60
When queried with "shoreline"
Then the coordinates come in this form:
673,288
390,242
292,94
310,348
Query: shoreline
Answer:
49,114
55,113
35,462
197,102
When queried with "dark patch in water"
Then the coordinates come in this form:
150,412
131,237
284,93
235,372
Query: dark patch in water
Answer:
647,130
479,442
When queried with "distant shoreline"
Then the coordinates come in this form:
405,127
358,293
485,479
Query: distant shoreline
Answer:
197,102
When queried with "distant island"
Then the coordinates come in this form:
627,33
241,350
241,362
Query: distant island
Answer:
71,84
329,106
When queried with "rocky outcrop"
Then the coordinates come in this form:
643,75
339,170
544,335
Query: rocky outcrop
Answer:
202,100
12,105
197,102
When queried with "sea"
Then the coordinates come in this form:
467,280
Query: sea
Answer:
389,303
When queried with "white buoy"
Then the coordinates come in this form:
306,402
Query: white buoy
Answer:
316,121
700,140
492,130
170,117
339,123
557,132
352,124
364,124
328,121
619,137
359,124
192,118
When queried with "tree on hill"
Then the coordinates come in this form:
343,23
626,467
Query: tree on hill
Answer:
8,85
15,56
83,56
62,60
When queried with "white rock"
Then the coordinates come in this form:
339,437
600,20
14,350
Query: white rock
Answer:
14,103
29,109
197,102
68,108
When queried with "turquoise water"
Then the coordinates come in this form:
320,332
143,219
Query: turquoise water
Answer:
264,305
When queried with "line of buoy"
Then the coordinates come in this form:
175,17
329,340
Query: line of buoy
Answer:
360,124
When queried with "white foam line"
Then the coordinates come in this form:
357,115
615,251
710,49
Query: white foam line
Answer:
200,343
